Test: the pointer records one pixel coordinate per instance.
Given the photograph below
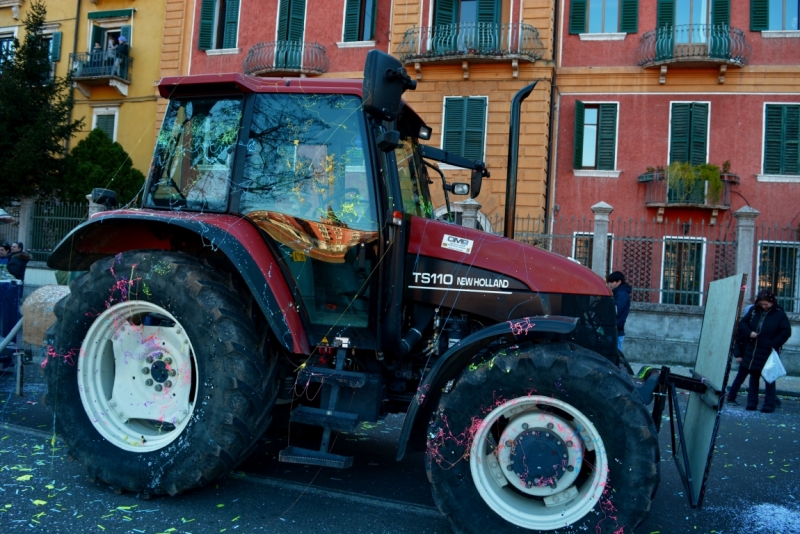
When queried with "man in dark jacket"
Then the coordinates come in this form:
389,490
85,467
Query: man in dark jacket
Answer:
764,328
622,298
18,261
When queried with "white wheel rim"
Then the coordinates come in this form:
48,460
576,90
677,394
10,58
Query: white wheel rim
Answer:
137,376
516,483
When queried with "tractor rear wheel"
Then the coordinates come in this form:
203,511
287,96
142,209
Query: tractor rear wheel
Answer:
543,437
154,373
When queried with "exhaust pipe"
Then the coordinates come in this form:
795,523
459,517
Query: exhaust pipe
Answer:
513,156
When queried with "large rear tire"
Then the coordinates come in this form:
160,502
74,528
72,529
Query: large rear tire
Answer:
543,437
155,373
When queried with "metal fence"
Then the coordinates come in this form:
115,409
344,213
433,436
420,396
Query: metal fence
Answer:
52,221
777,267
9,232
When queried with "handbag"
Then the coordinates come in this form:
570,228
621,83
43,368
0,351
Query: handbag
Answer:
773,369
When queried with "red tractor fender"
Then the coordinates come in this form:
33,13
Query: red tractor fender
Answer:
113,232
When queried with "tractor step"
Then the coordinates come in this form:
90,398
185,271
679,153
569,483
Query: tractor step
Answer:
297,455
349,379
334,420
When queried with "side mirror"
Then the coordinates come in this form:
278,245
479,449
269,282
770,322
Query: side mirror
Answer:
106,197
459,188
388,141
476,179
385,80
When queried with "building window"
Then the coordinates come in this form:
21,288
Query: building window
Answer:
6,45
689,132
466,12
219,24
595,136
465,126
779,271
583,248
774,15
604,16
682,280
359,20
291,20
106,120
781,137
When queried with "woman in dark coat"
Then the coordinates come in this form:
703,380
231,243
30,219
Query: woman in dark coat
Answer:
764,328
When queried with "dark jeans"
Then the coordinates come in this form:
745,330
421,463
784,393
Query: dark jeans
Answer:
770,396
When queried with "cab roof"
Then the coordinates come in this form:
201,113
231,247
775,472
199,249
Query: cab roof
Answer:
233,82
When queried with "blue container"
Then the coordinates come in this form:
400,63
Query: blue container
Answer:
10,300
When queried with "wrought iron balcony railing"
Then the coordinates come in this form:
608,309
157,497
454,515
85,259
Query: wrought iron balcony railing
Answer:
693,43
282,57
477,40
660,193
100,66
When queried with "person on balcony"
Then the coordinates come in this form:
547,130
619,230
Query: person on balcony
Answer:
121,56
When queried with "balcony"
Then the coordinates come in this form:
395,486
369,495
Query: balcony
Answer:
478,42
694,45
277,58
100,68
660,194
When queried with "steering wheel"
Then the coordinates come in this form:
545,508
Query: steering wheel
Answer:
336,202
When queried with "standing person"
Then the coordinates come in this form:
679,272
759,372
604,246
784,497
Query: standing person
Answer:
764,328
18,261
5,250
121,58
622,298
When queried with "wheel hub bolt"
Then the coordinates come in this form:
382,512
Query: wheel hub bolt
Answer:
168,384
148,382
552,485
509,467
524,426
159,387
570,468
145,371
550,426
172,372
149,359
160,355
509,443
167,360
569,444
537,480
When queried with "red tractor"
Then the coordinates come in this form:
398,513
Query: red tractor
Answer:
286,243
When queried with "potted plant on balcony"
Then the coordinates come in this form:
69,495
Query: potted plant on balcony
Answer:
685,179
726,175
652,173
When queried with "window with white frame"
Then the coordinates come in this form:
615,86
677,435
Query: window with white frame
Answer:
464,130
219,24
774,15
583,248
106,120
683,263
782,139
779,271
359,20
604,16
595,136
7,43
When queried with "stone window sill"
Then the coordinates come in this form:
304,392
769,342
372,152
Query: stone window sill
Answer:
593,173
602,36
780,178
356,44
223,51
780,34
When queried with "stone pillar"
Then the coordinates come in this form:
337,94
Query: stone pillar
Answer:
599,249
25,231
94,208
745,245
469,212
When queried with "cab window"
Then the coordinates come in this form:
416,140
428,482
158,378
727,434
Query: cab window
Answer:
413,180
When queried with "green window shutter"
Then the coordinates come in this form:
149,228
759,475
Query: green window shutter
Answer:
629,16
721,12
577,18
791,163
759,15
297,16
577,156
489,11
474,127
98,36
206,37
665,13
55,47
606,136
453,130
679,135
773,139
352,15
445,12
283,19
125,31
106,124
231,24
699,131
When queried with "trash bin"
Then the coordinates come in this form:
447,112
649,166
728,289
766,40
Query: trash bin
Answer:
10,299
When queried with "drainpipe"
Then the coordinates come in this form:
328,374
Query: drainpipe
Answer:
513,156
553,89
74,51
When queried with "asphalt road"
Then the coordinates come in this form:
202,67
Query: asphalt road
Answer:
753,488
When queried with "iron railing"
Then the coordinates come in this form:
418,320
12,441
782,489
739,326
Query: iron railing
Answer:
277,57
9,232
474,40
778,264
100,64
660,193
713,43
52,221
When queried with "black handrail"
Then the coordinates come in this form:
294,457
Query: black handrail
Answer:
715,43
100,64
286,56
